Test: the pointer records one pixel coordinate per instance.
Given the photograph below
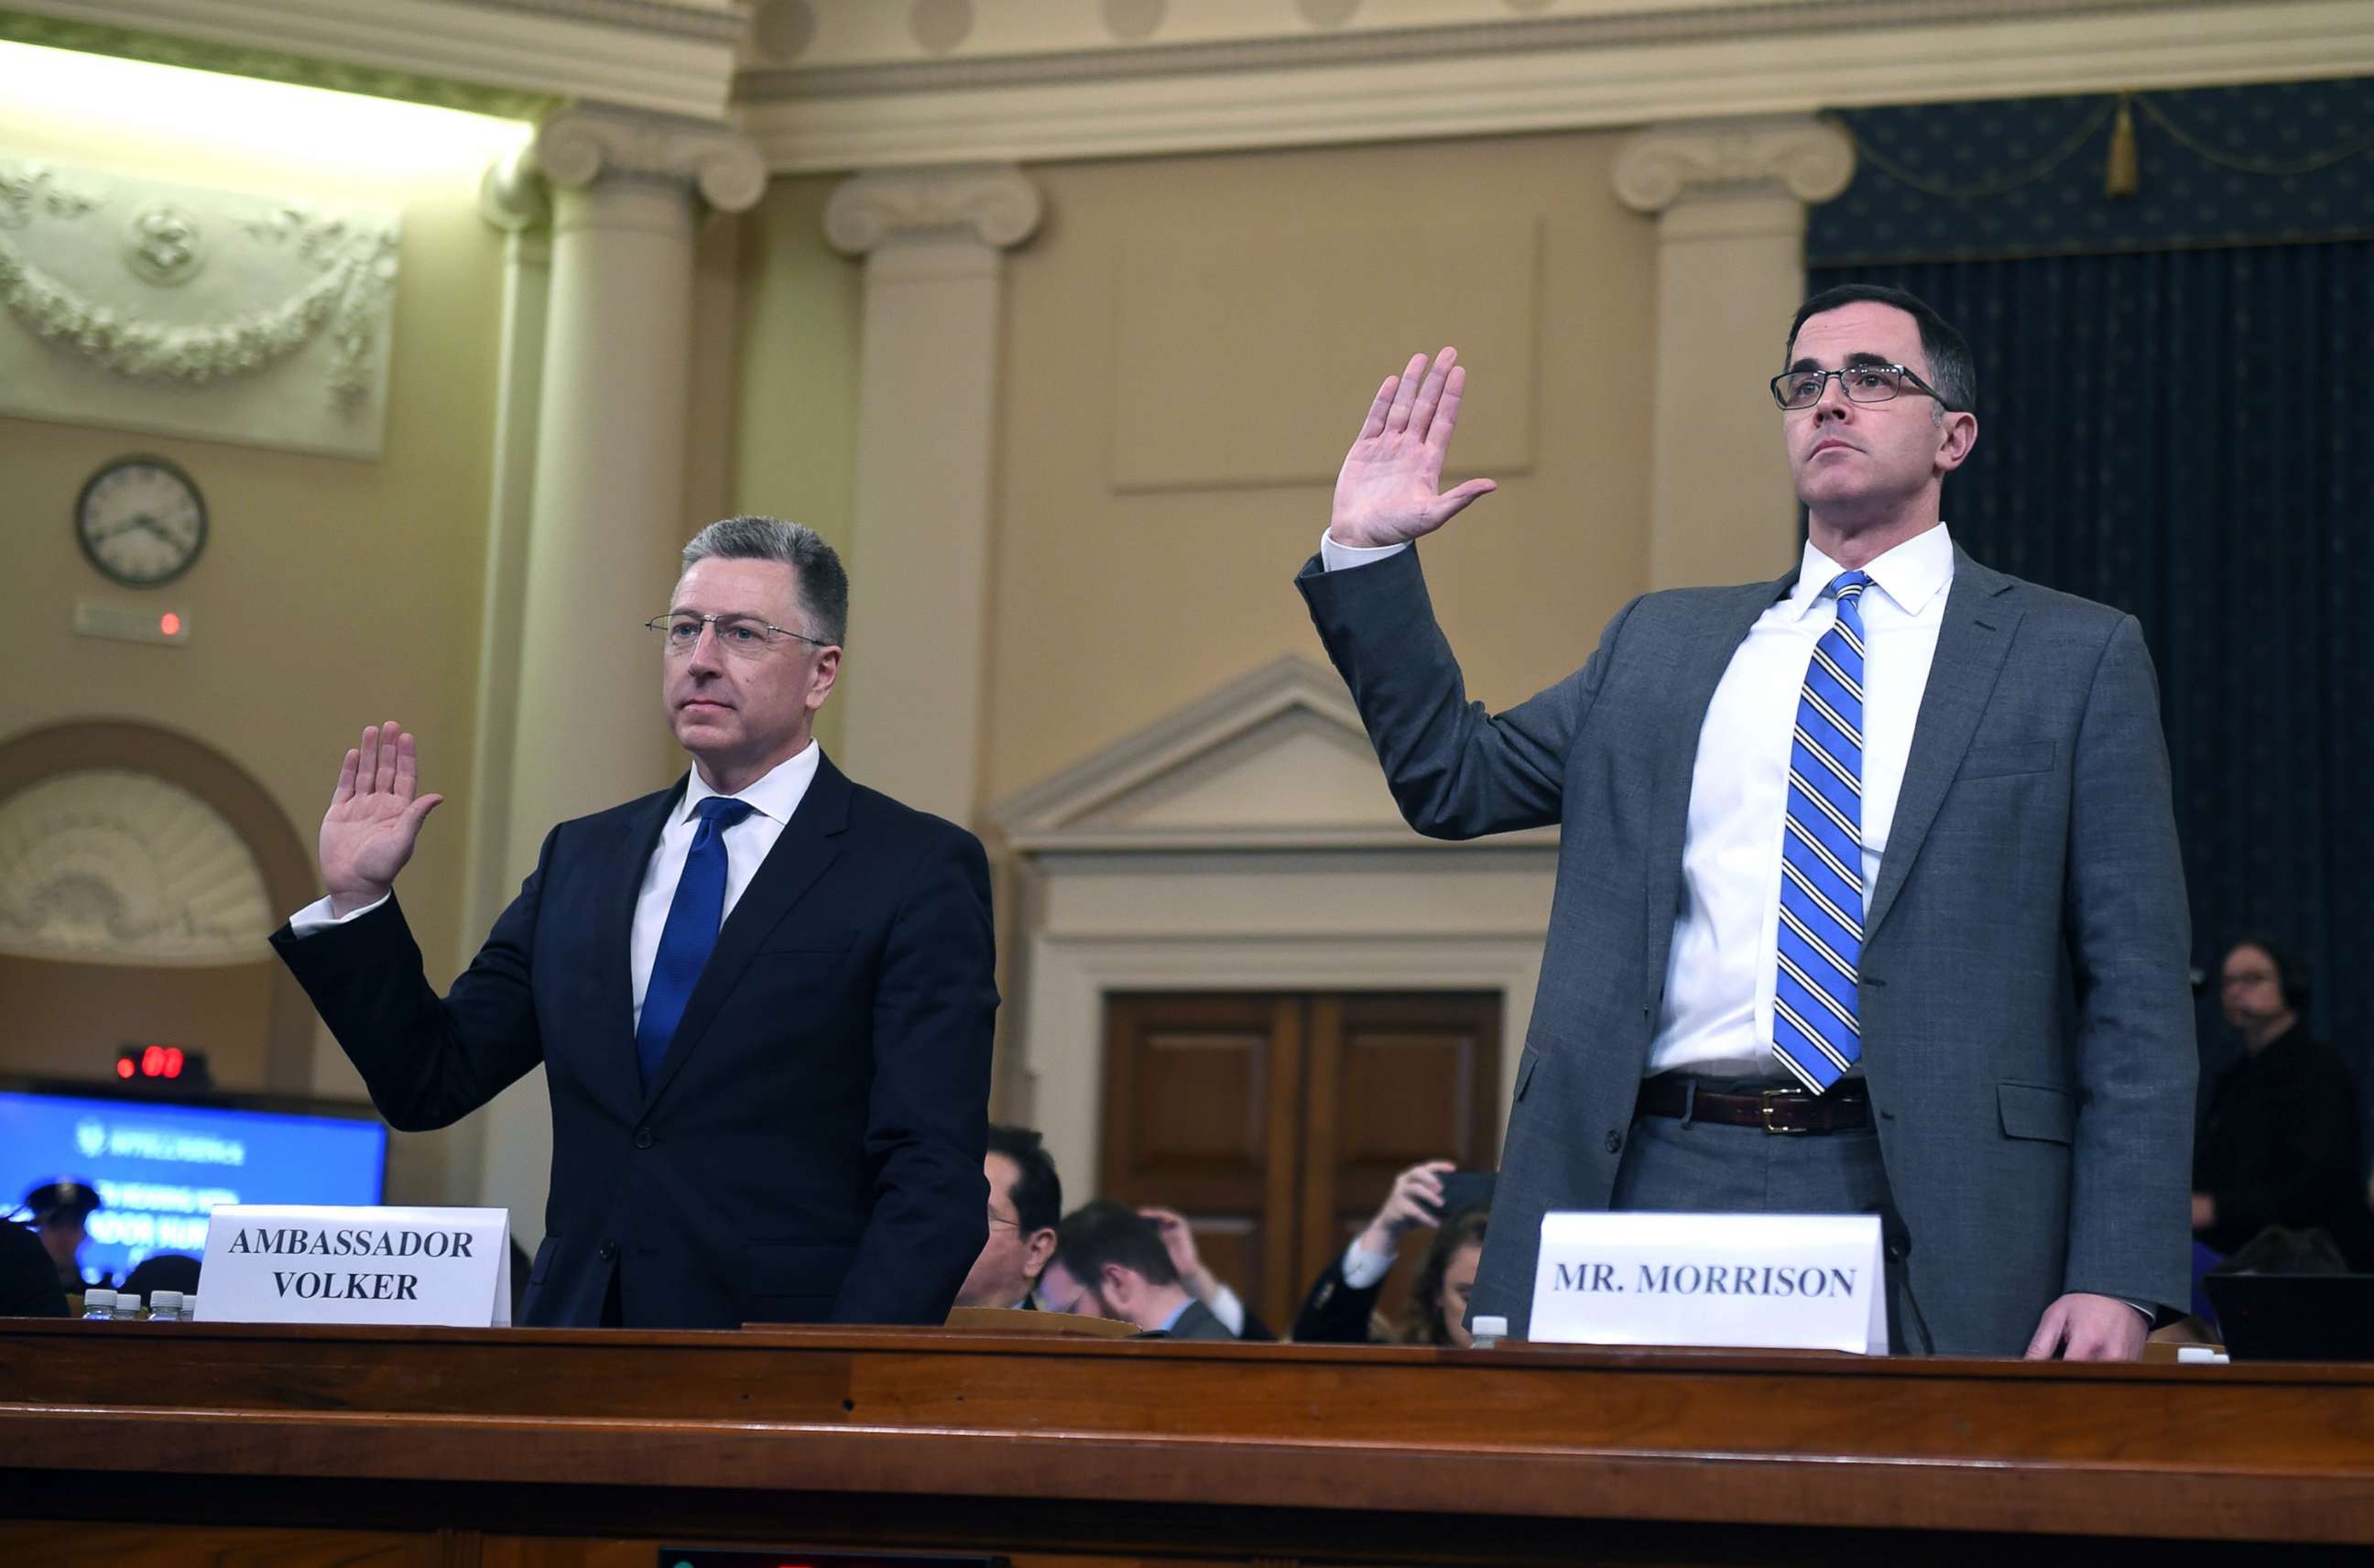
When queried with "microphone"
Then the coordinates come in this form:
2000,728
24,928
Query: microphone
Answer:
1895,1241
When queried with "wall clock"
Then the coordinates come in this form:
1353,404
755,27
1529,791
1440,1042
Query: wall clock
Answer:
141,521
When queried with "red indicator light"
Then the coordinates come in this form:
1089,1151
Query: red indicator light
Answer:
170,624
152,1061
124,1066
172,1061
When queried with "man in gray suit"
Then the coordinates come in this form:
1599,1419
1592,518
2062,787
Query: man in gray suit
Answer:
1880,854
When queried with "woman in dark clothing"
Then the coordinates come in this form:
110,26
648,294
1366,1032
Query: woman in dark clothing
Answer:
2279,1144
1340,1308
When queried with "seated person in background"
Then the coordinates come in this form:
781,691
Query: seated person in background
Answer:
163,1272
1341,1307
1026,1204
28,1279
58,1210
2279,1143
1110,1262
1179,1240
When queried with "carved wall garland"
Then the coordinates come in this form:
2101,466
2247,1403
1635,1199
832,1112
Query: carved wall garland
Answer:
354,262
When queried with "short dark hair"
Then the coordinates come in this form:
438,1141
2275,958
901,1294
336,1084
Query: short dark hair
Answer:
815,566
1038,1192
1102,1231
1951,370
2291,971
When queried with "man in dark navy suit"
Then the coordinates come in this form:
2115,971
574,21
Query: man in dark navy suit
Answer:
763,996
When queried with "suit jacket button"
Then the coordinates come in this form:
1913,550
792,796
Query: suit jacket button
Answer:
1614,1142
609,1250
644,1139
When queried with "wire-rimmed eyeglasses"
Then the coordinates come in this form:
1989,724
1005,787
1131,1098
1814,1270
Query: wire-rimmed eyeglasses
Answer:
1862,384
742,634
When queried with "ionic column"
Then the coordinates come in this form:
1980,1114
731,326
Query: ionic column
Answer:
603,516
1730,199
932,241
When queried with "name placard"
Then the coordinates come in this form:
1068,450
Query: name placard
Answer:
287,1263
1765,1281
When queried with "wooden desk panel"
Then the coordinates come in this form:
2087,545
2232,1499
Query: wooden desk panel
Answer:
1155,1451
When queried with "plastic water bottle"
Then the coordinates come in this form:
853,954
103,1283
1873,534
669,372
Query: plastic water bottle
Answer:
165,1306
189,1307
127,1306
99,1305
1490,1331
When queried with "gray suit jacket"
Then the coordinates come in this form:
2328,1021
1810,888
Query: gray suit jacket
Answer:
2026,1017
1199,1322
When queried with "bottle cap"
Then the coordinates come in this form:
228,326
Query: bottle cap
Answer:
190,1305
1490,1328
97,1297
163,1301
127,1302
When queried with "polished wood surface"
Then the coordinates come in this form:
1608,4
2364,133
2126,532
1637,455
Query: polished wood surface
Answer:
1062,1450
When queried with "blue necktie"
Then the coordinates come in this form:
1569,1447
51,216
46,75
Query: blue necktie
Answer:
691,932
1814,1031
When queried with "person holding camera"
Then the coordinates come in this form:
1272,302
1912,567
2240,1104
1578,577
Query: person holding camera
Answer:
1340,1308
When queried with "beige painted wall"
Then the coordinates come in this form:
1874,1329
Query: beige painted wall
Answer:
1190,344
332,592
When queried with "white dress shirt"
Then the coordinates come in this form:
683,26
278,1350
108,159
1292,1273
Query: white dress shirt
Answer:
1717,1016
773,799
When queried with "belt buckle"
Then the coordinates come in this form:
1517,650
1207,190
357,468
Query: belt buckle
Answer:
1773,1099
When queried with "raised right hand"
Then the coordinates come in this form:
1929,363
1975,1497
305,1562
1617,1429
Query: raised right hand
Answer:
1385,491
1417,1199
374,819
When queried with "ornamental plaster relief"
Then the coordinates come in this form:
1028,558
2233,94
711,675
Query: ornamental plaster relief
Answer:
153,305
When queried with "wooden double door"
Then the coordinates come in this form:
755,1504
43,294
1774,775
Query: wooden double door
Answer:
1276,1121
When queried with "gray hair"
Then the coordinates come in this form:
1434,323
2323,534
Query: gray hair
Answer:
822,581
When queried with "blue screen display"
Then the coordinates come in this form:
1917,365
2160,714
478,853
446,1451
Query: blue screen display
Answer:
161,1169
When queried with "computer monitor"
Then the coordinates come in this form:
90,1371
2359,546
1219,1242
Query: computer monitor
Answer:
160,1166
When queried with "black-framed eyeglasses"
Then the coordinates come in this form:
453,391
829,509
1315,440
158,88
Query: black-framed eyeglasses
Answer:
1862,384
744,634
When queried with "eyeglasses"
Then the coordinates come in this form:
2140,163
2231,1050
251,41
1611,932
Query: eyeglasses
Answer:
1862,384
745,636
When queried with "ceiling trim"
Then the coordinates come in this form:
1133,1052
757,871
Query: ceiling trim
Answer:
515,57
1545,75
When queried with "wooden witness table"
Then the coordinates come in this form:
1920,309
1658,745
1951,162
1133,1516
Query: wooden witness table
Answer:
126,1444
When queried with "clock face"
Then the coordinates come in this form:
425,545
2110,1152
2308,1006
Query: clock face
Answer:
141,521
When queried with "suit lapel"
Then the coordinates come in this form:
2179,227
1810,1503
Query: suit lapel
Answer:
810,843
1704,660
1971,643
611,1063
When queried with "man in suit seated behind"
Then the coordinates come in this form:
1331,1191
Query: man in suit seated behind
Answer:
1110,1262
762,996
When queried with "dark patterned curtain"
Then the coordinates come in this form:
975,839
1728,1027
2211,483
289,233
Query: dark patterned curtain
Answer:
2171,300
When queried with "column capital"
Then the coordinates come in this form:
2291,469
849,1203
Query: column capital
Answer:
1811,160
581,146
996,203
511,195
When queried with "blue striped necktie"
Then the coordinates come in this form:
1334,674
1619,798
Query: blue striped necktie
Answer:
1816,1032
693,917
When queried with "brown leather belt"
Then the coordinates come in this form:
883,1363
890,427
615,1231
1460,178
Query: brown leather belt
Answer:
1843,1109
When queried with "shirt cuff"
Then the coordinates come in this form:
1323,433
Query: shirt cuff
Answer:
1363,1267
1229,1310
1334,557
316,916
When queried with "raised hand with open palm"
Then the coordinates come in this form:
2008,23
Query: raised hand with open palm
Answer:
374,818
1387,491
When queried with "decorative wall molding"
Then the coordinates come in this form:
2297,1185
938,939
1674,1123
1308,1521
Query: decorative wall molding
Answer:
577,147
1811,160
1248,842
1613,64
107,866
518,58
996,203
125,295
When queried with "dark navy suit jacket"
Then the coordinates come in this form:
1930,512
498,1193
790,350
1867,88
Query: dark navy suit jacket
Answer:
810,1148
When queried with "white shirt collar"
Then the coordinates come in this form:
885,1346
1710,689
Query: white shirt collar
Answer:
775,796
1911,574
